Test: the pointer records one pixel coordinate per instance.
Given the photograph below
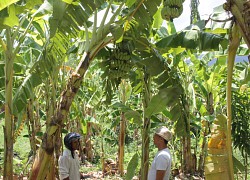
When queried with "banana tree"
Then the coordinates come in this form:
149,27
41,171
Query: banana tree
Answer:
11,43
146,125
98,41
188,104
125,91
233,46
148,63
8,128
117,64
167,94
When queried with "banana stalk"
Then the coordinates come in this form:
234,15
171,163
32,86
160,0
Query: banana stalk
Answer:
10,54
123,87
233,46
9,122
146,126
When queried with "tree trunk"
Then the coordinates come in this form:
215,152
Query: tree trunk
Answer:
203,148
31,127
186,139
88,150
146,128
102,157
81,150
58,148
46,150
205,131
9,123
121,144
233,46
145,149
52,171
88,143
123,94
187,156
246,164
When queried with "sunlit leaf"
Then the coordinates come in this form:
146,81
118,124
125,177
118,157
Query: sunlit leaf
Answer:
157,20
6,3
68,1
12,19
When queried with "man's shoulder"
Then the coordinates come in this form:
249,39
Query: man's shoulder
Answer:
66,153
164,152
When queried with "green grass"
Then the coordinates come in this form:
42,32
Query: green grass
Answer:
21,151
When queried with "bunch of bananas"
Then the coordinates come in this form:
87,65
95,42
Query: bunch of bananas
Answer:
171,9
120,64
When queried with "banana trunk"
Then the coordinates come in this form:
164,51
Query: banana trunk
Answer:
146,128
45,153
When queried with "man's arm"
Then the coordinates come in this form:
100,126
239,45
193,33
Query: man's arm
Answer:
63,169
160,174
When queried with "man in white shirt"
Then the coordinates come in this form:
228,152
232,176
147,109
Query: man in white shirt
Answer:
69,163
161,165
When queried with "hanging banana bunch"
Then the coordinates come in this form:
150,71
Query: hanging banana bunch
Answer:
172,9
120,64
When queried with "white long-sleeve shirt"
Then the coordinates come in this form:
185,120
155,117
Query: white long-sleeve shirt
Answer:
69,167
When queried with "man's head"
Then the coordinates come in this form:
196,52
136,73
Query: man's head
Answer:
162,136
71,141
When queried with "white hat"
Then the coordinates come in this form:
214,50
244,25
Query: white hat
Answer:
164,132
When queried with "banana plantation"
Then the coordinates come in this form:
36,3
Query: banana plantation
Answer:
113,71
